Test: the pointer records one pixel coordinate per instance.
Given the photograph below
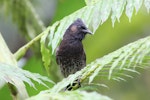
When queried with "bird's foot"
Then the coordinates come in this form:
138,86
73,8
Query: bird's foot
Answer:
75,85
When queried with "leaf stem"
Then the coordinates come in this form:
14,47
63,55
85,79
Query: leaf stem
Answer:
21,52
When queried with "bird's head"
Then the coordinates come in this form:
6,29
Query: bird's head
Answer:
78,30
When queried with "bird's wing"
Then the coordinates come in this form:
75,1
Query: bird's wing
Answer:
84,59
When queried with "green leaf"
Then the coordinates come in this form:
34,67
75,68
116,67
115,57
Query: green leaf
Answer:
114,65
8,67
5,55
69,95
94,14
147,5
46,55
7,59
24,15
15,76
10,73
45,50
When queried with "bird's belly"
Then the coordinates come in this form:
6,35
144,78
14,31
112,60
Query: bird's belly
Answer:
70,66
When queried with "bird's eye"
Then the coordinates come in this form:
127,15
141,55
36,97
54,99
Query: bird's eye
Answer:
82,27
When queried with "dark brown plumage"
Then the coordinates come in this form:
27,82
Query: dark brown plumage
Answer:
70,55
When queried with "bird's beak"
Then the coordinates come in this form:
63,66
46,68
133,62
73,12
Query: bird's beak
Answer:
87,31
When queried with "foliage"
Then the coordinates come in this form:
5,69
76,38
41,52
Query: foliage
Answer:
24,15
126,59
73,95
95,13
10,73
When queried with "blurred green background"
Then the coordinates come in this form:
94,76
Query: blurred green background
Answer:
105,40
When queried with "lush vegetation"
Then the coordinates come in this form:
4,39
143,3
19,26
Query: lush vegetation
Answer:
103,67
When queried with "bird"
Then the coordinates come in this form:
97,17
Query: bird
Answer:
70,54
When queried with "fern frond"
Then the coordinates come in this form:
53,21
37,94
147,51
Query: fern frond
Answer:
69,95
127,58
94,14
10,73
114,65
15,76
24,15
